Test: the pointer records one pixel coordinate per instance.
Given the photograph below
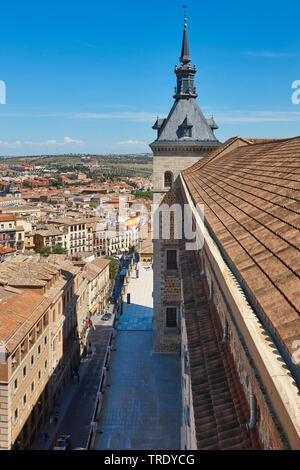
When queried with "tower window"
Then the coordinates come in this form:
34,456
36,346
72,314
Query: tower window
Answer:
168,179
171,259
171,317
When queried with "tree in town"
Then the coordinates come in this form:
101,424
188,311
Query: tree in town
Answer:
113,267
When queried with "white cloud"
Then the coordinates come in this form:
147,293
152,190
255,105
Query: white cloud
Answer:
68,141
11,145
131,142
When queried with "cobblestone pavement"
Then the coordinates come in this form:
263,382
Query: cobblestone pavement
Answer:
142,406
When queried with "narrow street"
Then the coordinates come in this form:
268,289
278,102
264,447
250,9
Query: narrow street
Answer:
75,412
142,404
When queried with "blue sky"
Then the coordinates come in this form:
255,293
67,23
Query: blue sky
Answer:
92,76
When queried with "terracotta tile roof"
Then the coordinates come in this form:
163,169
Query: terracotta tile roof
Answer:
220,407
252,205
95,267
26,272
7,217
6,250
18,313
100,263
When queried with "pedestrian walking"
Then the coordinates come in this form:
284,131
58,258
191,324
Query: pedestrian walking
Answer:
91,324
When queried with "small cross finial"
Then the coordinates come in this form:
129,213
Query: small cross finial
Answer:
184,7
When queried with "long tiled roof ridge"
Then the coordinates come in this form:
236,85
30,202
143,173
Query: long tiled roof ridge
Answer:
252,206
219,150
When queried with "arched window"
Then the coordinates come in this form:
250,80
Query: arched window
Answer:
168,179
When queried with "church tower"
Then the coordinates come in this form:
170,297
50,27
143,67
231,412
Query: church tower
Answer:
183,138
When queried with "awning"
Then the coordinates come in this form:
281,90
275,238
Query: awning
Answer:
93,310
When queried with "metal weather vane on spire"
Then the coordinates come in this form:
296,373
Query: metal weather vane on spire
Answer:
185,7
185,56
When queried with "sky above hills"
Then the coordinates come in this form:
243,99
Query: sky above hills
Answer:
92,77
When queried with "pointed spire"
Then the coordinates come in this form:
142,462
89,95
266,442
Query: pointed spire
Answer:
185,55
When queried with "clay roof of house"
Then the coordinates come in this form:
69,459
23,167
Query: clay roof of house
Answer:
49,232
6,249
251,198
93,268
7,217
26,272
18,313
100,263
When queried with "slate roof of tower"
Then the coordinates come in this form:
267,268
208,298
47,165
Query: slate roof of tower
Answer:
186,108
182,109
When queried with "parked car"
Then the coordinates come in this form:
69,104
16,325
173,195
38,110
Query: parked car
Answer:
62,442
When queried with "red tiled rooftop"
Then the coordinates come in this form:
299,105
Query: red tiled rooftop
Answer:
251,198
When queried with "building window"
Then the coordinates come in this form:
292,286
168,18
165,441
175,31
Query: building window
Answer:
32,360
171,259
32,387
45,340
39,375
16,414
168,179
24,399
171,317
24,371
46,364
16,384
39,350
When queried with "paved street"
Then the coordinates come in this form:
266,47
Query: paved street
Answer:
77,404
142,406
139,313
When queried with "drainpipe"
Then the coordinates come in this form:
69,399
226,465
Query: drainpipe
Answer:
252,421
225,331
